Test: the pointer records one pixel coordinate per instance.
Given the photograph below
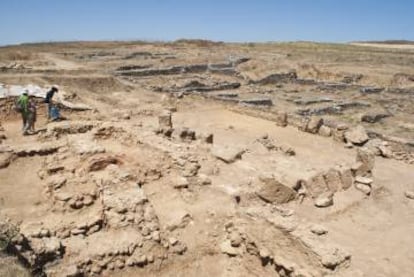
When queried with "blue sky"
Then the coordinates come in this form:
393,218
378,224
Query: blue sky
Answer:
226,20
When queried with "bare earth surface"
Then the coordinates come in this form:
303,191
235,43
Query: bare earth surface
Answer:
197,158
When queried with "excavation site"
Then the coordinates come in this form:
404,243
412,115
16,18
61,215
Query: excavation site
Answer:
202,158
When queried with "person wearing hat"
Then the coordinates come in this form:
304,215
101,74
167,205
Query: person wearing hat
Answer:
48,100
23,105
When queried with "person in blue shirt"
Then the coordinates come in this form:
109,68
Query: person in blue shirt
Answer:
49,101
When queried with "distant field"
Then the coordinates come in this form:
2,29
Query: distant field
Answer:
385,45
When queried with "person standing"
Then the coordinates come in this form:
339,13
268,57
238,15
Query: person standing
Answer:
48,100
22,104
32,114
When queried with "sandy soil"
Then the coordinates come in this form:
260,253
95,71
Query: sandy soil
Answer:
230,188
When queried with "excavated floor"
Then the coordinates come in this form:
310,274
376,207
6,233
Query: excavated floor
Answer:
221,190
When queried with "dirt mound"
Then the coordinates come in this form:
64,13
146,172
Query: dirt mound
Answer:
95,84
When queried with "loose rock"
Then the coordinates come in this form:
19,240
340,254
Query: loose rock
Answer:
141,260
264,253
96,269
347,178
409,194
165,121
314,125
318,230
357,135
273,191
365,162
227,154
226,248
366,189
172,241
131,261
119,264
363,180
324,200
281,119
333,180
317,185
235,239
374,117
325,131
333,260
182,183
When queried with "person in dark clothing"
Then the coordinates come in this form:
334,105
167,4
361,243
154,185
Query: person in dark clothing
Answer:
48,100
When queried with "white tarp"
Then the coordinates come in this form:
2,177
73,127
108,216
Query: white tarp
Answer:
3,90
16,90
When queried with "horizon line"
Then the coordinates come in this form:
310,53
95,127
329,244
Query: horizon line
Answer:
160,41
